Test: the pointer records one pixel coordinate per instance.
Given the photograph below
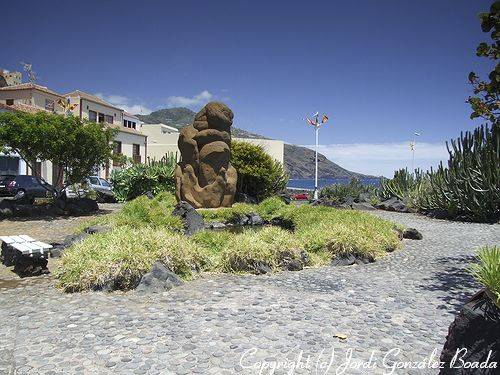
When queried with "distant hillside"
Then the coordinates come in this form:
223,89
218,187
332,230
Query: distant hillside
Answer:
299,161
180,117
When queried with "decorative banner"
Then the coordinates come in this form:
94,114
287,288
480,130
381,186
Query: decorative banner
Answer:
324,119
412,146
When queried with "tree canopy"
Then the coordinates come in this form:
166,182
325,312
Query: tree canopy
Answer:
486,101
75,145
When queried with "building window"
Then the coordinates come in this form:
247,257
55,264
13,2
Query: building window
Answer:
109,119
117,150
125,123
136,153
92,116
49,105
133,124
9,102
100,117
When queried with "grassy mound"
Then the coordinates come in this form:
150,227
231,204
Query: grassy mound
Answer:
487,271
144,232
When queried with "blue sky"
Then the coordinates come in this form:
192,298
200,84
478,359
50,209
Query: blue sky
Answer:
380,69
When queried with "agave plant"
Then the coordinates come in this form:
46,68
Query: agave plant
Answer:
154,176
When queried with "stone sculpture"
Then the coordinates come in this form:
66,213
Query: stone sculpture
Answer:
204,176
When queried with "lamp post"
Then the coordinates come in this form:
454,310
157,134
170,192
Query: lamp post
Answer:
415,134
316,123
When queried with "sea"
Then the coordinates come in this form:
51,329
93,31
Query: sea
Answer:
309,183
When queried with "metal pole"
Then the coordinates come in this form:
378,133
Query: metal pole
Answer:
316,162
413,155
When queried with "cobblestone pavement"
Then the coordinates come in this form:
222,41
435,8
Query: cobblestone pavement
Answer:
399,307
49,229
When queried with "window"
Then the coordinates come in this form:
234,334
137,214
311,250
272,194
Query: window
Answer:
93,116
100,117
104,182
125,123
94,180
49,105
109,119
136,153
133,124
9,102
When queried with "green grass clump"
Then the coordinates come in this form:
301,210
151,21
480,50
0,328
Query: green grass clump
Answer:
487,271
227,214
124,255
141,212
342,231
270,208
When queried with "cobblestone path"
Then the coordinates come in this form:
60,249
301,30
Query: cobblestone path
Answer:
399,308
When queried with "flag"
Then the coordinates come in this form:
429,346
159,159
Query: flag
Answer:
324,119
412,146
311,122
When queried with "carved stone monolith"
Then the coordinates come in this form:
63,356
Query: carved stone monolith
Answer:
204,176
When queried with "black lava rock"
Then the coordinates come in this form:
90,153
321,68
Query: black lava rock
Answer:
412,234
193,221
393,204
159,279
475,336
350,259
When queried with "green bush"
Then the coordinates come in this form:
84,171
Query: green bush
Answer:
487,271
338,193
259,175
138,179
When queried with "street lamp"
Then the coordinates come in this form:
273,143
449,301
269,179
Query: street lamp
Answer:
412,147
316,123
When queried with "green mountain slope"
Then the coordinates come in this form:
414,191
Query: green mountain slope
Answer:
299,161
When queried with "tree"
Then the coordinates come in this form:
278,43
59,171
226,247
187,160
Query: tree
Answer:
486,101
76,147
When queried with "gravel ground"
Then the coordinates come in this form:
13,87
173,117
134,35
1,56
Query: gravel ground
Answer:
397,309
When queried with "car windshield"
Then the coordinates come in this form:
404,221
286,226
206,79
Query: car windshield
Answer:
104,182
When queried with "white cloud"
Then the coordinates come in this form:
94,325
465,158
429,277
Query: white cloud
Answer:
125,103
383,158
196,101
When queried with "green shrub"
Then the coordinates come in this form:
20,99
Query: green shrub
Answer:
487,271
259,175
138,179
270,208
338,193
123,255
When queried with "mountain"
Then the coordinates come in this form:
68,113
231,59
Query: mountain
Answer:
180,117
299,161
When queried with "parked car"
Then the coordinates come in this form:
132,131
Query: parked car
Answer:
100,186
23,188
300,197
103,188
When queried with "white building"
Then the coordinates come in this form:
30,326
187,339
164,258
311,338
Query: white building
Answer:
31,98
162,139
